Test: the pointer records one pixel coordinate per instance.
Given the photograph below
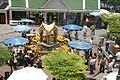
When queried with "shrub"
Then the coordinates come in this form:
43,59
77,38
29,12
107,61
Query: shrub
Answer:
113,21
65,65
4,55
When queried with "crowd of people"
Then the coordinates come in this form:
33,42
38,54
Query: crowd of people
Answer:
24,57
100,62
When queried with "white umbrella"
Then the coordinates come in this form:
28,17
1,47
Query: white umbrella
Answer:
94,13
102,11
110,76
98,13
21,28
28,73
28,21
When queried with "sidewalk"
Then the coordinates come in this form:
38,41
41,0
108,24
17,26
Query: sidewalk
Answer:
4,69
6,31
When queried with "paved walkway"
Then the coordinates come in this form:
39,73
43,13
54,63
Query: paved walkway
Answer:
4,69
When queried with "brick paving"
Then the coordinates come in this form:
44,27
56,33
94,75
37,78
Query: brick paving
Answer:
4,69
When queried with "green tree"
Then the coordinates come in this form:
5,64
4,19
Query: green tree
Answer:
113,21
4,55
65,65
111,2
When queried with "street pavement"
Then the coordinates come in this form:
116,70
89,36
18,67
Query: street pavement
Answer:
6,31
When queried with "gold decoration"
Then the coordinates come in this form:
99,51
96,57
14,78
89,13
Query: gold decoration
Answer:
36,38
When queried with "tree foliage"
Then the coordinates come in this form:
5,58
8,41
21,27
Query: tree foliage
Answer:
111,2
113,21
65,66
4,55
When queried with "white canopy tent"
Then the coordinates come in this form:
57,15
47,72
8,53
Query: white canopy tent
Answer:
28,73
98,13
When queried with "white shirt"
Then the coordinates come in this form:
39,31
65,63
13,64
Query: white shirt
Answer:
118,55
65,32
110,66
85,28
91,41
92,61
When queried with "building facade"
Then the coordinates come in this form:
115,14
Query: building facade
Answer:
61,11
3,5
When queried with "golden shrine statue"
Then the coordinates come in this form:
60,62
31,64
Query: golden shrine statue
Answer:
48,33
